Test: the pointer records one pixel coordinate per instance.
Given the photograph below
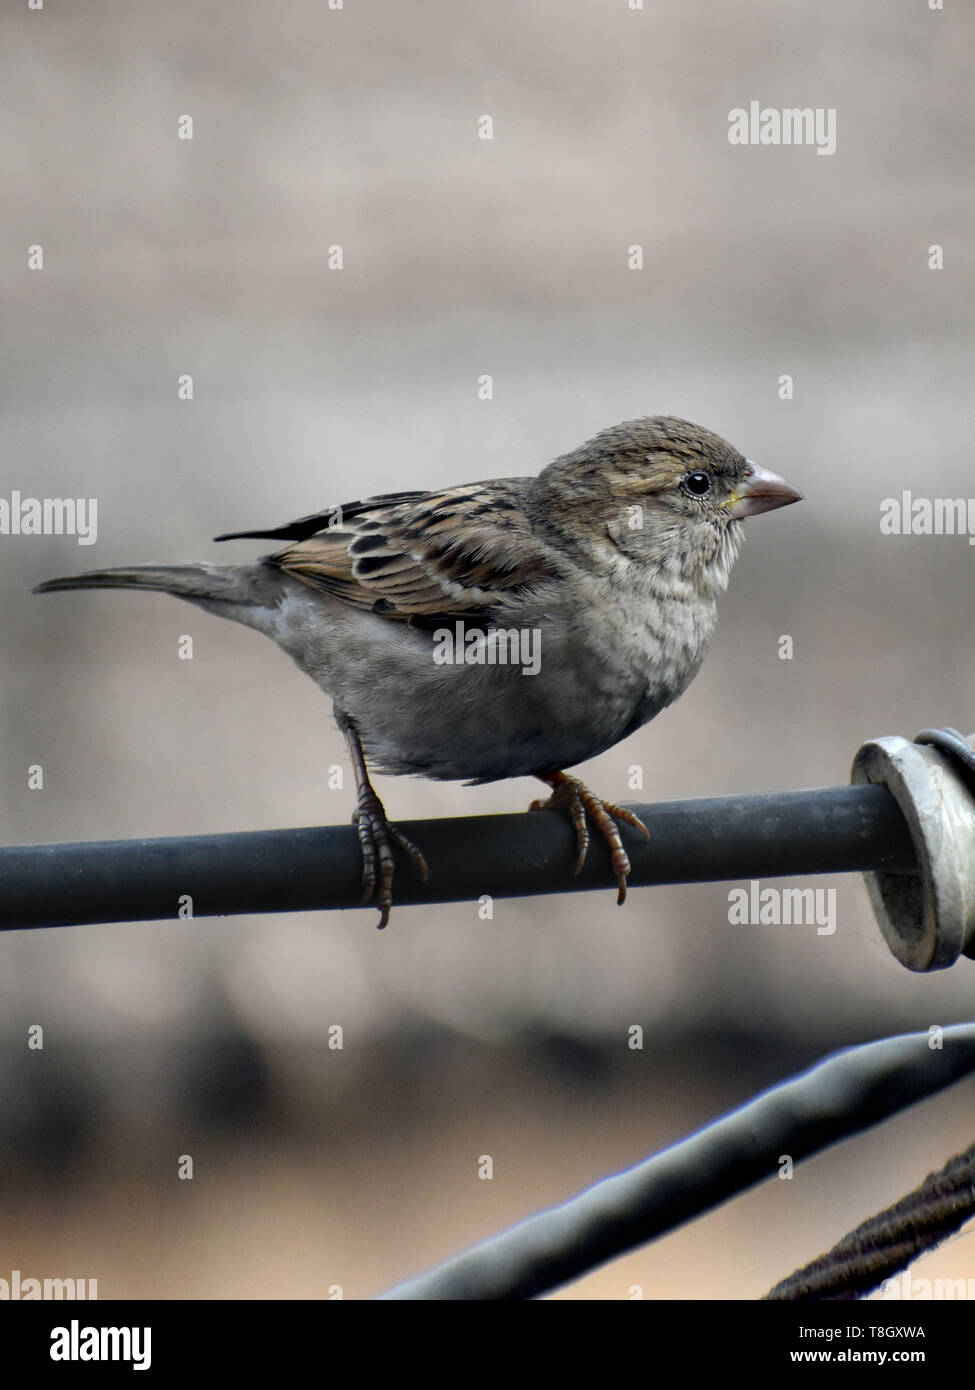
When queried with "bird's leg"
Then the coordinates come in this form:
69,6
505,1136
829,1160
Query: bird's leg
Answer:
376,835
577,801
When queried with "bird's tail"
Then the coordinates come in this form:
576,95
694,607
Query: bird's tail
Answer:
198,583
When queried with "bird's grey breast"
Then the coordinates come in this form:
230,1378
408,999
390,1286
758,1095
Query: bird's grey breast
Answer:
660,639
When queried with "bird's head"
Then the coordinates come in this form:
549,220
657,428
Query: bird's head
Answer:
665,492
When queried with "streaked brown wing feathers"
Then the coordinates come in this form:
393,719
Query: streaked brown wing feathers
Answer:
464,550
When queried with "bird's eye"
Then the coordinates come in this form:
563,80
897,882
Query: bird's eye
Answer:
698,483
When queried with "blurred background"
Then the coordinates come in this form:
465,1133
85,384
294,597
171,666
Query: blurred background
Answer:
314,1167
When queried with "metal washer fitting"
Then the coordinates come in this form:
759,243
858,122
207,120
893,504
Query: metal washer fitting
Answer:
927,918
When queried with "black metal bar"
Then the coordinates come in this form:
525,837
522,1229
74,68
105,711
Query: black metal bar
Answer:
840,1096
827,830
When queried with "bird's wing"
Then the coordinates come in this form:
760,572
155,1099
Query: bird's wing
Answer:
417,556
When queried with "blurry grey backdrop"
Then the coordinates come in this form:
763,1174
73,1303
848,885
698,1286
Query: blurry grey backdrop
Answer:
313,127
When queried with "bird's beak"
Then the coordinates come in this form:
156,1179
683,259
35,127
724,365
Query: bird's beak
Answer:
761,491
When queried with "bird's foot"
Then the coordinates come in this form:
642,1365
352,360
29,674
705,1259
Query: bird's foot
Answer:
376,839
578,802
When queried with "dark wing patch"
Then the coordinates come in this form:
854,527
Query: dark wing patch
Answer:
413,557
309,525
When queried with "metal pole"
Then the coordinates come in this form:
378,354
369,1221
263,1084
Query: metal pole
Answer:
841,1096
827,830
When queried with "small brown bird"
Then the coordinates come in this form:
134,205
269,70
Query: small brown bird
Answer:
508,628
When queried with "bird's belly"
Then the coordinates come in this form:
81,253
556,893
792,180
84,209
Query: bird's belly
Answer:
557,696
486,725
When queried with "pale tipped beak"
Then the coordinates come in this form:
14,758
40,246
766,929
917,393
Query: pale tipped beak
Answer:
762,491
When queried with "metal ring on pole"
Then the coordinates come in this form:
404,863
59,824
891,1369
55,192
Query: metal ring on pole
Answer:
927,917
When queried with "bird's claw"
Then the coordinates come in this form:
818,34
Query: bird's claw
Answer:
578,802
376,840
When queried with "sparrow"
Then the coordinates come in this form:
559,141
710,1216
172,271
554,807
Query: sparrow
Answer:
508,628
